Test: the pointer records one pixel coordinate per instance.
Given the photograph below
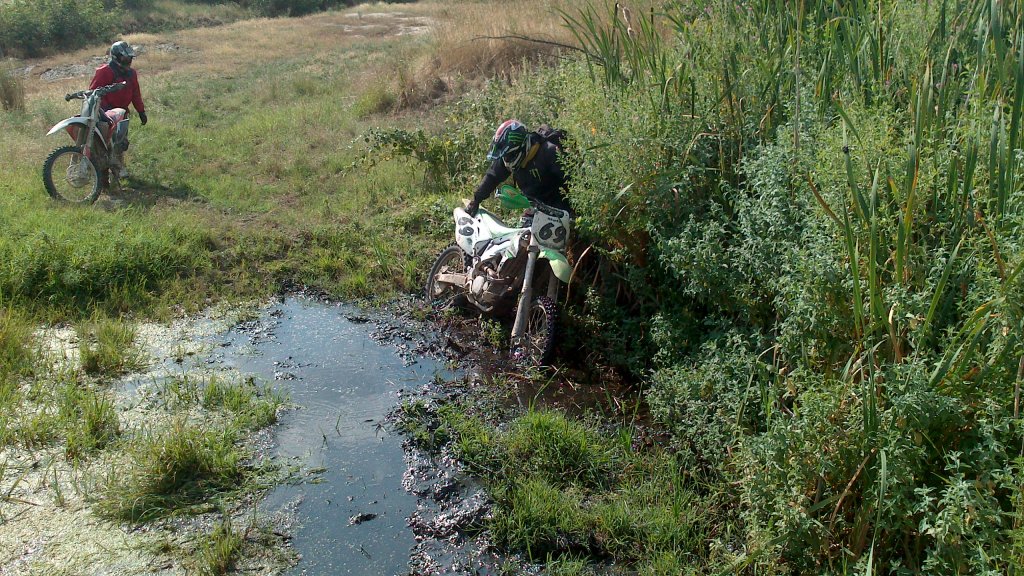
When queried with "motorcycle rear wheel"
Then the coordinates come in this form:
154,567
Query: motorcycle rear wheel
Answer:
77,178
441,297
538,340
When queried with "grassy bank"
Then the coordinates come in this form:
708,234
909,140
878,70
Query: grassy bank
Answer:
798,227
250,176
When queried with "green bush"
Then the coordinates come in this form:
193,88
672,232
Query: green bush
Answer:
804,235
29,27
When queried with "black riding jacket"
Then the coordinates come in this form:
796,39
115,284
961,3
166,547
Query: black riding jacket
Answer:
540,178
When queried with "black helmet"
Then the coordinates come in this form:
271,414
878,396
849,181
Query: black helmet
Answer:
122,53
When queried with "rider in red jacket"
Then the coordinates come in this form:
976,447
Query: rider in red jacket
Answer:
119,69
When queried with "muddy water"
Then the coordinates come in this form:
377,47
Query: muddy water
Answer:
349,509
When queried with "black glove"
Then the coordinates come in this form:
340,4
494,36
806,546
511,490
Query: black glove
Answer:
142,116
472,207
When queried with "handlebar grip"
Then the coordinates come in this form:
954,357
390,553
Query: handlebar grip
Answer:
68,97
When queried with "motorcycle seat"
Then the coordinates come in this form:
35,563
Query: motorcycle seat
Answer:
491,226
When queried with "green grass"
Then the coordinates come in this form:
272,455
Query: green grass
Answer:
252,406
231,198
89,418
107,347
570,495
172,470
61,408
216,554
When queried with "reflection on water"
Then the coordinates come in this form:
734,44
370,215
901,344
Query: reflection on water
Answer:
352,520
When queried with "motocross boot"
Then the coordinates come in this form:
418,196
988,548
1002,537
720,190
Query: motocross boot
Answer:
120,147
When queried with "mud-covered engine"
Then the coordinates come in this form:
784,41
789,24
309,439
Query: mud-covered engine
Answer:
497,269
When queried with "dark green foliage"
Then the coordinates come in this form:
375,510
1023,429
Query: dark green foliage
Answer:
292,7
30,27
79,267
800,224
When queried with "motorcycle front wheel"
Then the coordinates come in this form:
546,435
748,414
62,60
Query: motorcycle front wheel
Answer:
440,296
69,176
538,340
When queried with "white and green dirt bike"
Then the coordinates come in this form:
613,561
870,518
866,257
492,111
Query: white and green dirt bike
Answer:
499,269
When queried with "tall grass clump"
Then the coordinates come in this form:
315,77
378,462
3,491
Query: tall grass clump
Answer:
12,91
89,419
254,407
564,490
171,470
216,554
16,361
107,347
16,342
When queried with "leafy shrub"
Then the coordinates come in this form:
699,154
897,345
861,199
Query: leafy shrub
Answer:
710,405
925,484
275,8
28,27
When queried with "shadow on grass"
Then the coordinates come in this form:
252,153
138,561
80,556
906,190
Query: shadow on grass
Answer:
142,193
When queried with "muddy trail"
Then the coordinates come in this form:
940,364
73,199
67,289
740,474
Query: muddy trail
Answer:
367,503
359,498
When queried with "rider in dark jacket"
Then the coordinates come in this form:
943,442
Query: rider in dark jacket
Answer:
532,161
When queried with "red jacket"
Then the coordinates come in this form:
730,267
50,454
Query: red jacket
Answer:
122,98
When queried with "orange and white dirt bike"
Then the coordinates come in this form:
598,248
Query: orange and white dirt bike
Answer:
78,173
501,270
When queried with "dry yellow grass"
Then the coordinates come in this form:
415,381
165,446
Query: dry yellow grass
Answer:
464,42
473,41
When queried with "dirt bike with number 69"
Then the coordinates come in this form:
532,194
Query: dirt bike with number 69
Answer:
78,173
499,269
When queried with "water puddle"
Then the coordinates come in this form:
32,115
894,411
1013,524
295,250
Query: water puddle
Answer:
350,513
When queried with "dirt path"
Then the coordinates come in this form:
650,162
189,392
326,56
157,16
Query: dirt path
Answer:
225,48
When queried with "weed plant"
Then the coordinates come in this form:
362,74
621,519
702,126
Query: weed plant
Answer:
172,470
12,91
107,347
217,553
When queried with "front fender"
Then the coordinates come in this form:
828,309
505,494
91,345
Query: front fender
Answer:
76,121
559,264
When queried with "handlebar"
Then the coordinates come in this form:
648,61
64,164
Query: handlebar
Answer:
101,91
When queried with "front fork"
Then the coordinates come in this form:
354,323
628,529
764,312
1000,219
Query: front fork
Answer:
526,296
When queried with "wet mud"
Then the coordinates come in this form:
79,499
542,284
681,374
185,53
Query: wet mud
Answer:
367,501
361,497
